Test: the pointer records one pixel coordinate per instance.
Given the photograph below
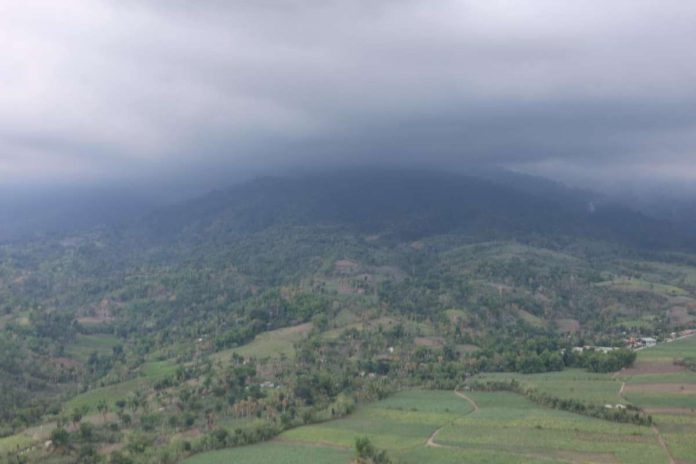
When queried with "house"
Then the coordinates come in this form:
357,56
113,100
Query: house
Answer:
603,349
647,341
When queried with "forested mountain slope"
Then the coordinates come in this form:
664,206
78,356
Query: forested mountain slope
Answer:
339,287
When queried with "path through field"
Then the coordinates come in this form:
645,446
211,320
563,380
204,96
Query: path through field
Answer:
660,439
431,438
471,402
663,444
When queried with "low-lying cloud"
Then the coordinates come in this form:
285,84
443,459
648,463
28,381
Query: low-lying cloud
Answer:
113,90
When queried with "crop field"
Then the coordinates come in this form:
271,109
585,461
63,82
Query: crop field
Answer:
510,423
152,372
274,343
668,392
85,345
667,352
442,427
643,285
275,452
402,421
570,383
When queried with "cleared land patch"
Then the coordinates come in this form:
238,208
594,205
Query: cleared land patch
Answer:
270,344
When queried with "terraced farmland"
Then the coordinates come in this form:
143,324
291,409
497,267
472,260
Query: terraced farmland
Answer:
668,392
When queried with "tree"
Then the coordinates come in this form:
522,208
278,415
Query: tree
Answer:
78,414
366,453
60,438
103,409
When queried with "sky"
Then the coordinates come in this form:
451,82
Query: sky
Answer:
148,91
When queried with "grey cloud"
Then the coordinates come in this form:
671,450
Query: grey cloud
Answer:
142,90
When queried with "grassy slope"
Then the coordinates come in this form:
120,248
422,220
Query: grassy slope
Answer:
151,373
274,343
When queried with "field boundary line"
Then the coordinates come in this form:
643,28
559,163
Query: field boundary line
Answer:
315,444
663,444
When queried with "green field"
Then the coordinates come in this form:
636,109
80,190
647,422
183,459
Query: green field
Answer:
570,383
275,343
84,345
13,443
642,285
667,352
275,452
510,423
442,427
151,372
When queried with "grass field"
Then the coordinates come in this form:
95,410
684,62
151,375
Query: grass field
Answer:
151,371
569,383
85,345
441,427
275,452
642,285
667,352
13,443
510,423
270,344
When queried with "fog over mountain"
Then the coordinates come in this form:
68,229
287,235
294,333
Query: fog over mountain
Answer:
199,94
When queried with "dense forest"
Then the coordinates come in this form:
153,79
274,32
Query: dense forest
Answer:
226,319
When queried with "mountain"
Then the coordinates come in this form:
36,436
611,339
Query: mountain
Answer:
409,205
228,318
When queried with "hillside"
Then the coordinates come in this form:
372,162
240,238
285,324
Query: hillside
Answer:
230,318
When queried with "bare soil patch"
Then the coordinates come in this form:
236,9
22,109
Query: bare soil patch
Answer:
432,342
346,265
687,388
652,368
108,449
679,316
568,325
66,362
298,329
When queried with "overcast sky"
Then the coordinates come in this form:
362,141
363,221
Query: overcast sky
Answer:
152,90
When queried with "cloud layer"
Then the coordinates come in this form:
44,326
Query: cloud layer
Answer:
110,90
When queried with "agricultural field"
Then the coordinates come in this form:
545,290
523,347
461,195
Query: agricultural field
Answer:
272,344
570,383
447,427
151,373
667,392
509,423
85,345
644,285
287,453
